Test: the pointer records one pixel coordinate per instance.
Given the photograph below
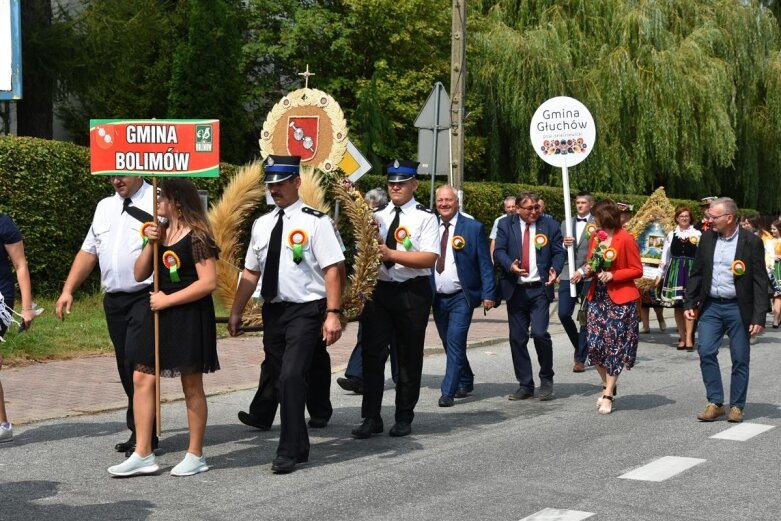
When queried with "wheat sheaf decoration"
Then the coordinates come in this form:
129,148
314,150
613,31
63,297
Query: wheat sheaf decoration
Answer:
228,217
366,267
240,200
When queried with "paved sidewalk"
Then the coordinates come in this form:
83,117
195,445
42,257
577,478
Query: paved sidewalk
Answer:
91,384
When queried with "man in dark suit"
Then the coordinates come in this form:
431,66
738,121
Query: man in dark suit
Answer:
462,280
529,250
577,235
727,288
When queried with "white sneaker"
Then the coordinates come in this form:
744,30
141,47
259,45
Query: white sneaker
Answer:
6,433
190,465
135,465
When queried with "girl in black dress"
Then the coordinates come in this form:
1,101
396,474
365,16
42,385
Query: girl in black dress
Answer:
187,258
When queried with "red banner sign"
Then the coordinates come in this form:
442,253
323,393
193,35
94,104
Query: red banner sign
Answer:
170,148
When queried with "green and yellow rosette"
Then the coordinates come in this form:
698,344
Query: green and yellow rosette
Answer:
402,235
297,239
609,255
590,230
540,241
694,240
144,238
458,242
738,268
172,262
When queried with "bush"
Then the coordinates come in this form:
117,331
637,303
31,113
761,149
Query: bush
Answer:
47,189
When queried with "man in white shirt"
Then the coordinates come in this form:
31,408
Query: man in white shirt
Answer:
114,243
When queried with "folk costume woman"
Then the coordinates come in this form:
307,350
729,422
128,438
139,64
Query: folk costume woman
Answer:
613,264
680,245
188,339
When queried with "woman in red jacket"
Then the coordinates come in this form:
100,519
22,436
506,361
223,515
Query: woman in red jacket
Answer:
613,263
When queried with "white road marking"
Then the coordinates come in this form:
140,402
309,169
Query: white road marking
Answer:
742,432
663,468
558,514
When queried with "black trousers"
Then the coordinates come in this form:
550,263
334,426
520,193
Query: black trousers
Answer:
400,309
292,334
125,317
318,397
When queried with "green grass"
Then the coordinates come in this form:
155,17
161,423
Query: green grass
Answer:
83,333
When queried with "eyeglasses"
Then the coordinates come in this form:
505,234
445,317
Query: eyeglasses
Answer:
533,207
714,217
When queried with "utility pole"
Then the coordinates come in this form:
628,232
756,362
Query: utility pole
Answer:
457,82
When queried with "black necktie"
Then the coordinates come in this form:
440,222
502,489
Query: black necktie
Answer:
390,238
443,248
270,285
135,212
581,219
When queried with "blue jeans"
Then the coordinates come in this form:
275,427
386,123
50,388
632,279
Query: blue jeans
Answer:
453,316
566,307
354,369
718,317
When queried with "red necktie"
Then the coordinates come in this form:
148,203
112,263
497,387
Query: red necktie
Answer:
525,249
443,248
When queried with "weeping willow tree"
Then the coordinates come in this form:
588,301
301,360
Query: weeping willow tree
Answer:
685,94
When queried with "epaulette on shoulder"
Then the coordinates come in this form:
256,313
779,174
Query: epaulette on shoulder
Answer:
424,208
380,208
312,211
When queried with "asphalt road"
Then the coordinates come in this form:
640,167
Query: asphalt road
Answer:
486,458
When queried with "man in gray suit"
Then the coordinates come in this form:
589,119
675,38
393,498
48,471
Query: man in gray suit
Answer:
575,234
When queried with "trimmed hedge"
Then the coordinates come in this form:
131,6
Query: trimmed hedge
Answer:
47,189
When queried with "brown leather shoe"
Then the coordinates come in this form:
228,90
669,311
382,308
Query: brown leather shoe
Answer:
735,415
579,367
711,413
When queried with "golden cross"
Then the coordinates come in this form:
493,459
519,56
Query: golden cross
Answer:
306,74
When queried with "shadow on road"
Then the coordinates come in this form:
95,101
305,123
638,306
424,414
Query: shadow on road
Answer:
20,503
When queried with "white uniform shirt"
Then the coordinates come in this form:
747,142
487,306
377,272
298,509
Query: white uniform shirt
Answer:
495,228
424,234
303,282
534,275
447,282
115,237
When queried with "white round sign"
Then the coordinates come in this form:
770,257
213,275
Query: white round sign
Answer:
562,131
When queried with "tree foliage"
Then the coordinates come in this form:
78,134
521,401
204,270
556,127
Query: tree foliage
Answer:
680,92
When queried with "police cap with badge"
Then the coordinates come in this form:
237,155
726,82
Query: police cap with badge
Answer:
281,168
401,170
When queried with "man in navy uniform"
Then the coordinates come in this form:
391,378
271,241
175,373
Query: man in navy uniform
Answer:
295,250
401,302
462,279
529,250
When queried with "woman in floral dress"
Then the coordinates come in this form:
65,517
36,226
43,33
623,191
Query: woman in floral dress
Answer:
613,264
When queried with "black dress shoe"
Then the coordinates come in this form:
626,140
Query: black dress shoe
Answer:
521,394
462,392
155,443
127,445
252,421
400,429
283,465
446,401
350,384
367,427
318,423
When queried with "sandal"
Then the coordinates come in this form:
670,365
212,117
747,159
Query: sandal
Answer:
606,406
681,344
615,392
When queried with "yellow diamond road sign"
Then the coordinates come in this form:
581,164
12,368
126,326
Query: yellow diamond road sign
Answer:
353,163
